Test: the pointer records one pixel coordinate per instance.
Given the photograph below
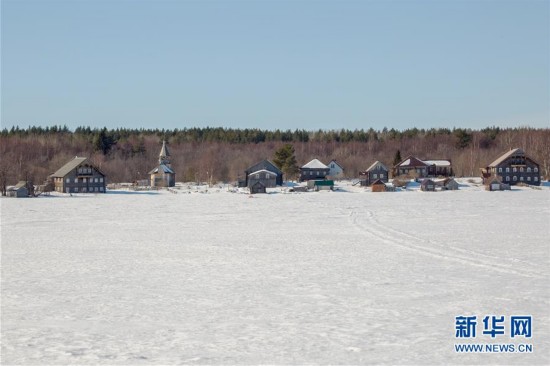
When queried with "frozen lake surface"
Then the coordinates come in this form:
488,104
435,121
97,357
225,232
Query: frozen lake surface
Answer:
313,278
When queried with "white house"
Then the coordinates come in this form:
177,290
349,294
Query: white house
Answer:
336,170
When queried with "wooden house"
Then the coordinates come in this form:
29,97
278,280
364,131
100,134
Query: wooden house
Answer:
414,167
314,170
377,171
512,168
427,185
262,165
266,179
79,176
494,184
378,186
163,175
20,190
336,171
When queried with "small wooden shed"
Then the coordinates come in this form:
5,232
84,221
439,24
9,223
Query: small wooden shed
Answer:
321,185
19,190
427,185
496,185
257,187
378,186
449,184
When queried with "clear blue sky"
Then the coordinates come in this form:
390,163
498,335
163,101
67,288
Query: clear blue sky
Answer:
276,64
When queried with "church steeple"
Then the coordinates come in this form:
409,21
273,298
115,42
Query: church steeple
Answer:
164,156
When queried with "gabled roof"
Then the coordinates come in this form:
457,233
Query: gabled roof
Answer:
21,184
374,166
378,182
411,161
426,182
335,162
162,168
263,171
315,164
67,168
505,156
264,164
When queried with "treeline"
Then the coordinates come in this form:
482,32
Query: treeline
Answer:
254,135
222,154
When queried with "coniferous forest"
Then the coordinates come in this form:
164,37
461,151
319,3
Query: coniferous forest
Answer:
222,154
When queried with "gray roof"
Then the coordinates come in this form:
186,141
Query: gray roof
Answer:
162,167
374,165
506,156
67,168
164,152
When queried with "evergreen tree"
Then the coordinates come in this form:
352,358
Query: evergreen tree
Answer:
397,159
285,160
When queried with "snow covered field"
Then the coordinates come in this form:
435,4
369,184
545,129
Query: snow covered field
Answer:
311,278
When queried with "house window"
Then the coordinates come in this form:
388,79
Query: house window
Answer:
536,179
266,175
536,170
500,170
79,170
521,169
374,176
528,179
521,178
507,170
515,169
311,172
381,175
101,189
507,178
528,169
96,189
332,166
84,189
257,176
68,180
90,170
76,180
75,190
515,178
101,180
68,190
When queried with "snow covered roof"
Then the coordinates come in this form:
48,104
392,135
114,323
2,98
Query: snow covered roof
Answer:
263,171
438,162
411,161
315,164
375,164
163,168
67,168
506,156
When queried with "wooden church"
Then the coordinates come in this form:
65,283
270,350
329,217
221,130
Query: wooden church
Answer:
163,175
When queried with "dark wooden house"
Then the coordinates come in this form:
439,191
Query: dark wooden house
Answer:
163,175
262,178
262,165
377,171
412,166
314,170
79,176
512,168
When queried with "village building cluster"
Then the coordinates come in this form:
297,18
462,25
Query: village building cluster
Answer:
513,167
